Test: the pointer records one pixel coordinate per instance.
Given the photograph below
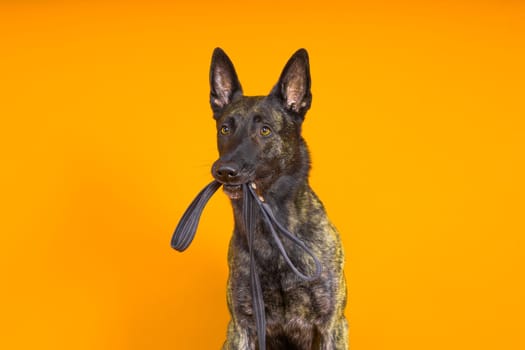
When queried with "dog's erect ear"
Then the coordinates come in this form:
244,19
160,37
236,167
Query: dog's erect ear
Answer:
224,84
293,87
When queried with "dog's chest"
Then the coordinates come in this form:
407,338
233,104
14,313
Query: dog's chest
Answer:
287,298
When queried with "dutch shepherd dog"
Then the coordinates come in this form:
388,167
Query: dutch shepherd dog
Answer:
260,143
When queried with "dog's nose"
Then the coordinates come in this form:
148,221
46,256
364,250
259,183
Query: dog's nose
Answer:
227,172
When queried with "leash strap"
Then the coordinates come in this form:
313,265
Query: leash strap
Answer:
250,217
187,226
185,232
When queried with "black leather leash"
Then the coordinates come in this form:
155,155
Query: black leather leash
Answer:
185,232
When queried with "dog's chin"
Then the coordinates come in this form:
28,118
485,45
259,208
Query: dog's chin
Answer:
233,191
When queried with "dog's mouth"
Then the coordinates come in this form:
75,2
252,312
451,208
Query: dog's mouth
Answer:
233,191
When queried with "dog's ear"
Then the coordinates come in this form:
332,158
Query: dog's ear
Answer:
224,84
293,88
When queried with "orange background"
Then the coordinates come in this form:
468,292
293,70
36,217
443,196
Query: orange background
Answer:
417,139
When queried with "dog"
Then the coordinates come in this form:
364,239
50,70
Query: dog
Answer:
259,142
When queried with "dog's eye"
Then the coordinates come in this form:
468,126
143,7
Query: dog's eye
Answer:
265,131
225,130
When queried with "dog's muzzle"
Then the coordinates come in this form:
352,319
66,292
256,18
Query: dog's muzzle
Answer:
230,176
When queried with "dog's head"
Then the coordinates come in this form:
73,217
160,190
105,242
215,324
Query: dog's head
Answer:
259,137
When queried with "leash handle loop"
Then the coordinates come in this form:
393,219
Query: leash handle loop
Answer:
185,231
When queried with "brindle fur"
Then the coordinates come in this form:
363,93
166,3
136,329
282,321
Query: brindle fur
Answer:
299,314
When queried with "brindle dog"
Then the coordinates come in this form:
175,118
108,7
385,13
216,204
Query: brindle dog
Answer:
259,141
